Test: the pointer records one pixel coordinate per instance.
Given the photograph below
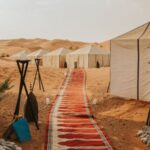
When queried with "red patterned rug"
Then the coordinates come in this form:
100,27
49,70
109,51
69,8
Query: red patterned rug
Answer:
70,123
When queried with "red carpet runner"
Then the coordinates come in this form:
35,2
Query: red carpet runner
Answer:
71,126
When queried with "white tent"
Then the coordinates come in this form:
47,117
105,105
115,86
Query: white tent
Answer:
89,57
37,54
20,56
56,59
130,64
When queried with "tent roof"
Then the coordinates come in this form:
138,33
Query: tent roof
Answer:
20,55
146,35
137,33
59,51
90,50
38,53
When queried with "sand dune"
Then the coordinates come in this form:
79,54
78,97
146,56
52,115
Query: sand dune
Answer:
9,47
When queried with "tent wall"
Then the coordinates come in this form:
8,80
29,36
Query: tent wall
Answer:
37,54
106,60
130,63
62,61
69,61
88,60
99,59
72,59
124,68
92,61
32,60
54,61
144,71
83,61
144,85
46,61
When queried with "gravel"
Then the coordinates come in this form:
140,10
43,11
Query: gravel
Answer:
144,135
6,145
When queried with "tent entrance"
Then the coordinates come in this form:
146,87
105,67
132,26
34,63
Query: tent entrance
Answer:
97,65
65,64
75,65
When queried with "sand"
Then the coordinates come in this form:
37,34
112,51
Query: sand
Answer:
52,79
120,118
10,47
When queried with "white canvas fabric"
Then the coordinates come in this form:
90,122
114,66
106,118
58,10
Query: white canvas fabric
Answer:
124,68
56,59
134,34
130,64
88,57
144,80
37,54
20,56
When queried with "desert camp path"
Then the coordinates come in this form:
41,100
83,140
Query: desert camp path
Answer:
70,123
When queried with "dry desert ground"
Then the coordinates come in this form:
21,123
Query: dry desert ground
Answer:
120,118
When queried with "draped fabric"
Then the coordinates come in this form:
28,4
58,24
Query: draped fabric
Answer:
130,64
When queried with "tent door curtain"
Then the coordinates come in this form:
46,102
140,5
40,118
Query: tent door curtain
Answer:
75,64
65,64
97,65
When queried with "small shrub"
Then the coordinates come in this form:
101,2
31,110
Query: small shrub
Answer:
5,85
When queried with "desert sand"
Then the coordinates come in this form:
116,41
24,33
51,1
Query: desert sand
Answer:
10,47
52,80
120,118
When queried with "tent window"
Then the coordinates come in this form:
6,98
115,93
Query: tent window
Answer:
65,64
97,65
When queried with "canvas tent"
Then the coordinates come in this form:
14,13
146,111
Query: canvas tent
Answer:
130,64
37,54
56,59
20,56
89,57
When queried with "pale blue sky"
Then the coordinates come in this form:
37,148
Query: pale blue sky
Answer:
84,20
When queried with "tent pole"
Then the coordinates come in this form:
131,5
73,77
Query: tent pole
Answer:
148,119
138,67
110,67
